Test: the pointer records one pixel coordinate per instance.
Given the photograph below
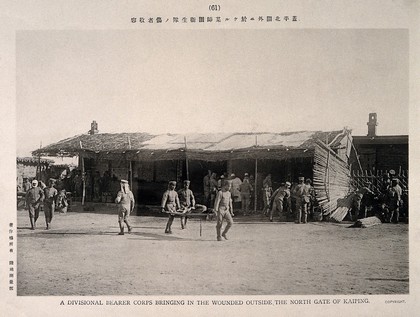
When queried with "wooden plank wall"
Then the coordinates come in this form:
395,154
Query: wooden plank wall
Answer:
332,182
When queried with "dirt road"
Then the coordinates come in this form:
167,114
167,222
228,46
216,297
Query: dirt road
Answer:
83,255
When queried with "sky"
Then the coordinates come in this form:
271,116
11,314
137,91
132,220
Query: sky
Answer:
224,80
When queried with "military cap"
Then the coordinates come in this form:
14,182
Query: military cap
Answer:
123,181
187,181
172,183
288,184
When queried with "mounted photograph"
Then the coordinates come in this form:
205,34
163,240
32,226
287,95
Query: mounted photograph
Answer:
212,162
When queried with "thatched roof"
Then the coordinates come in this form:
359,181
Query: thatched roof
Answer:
143,146
33,161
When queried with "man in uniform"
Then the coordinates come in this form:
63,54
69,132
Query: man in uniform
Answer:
213,188
235,183
224,210
34,197
394,200
267,191
125,202
279,196
357,201
170,203
207,187
302,195
186,199
49,203
245,189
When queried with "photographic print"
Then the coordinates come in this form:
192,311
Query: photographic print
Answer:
216,160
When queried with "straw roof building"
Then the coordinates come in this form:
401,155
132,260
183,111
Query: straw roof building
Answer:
147,159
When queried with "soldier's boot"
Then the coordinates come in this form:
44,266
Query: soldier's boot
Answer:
128,226
121,233
32,223
168,229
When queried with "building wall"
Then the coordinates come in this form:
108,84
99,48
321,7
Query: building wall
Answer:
381,157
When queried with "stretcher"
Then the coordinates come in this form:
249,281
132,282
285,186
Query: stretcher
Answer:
189,212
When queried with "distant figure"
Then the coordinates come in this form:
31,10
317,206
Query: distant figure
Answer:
245,189
357,202
235,185
49,202
213,188
394,200
279,199
267,192
301,193
207,187
62,204
186,199
34,197
125,201
170,203
312,195
26,185
224,211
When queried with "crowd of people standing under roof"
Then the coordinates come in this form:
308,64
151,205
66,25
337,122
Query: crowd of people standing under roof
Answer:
289,201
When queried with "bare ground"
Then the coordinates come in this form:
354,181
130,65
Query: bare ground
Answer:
83,255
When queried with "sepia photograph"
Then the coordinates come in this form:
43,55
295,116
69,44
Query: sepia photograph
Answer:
249,162
209,158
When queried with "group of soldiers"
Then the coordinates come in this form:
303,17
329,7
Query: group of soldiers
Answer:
38,196
179,203
297,200
385,203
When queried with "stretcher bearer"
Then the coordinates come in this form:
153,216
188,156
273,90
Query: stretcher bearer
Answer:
186,199
125,202
224,211
170,203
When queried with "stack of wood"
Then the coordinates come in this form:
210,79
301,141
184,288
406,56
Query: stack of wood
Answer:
367,222
332,183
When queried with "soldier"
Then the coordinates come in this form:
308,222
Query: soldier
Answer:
236,193
301,193
357,201
125,202
213,188
187,200
279,197
224,210
170,203
394,200
34,197
267,191
49,202
207,187
245,189
312,197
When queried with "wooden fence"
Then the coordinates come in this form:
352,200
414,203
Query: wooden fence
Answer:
376,179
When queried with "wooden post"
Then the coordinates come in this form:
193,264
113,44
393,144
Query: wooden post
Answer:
131,175
82,162
186,159
256,178
255,186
